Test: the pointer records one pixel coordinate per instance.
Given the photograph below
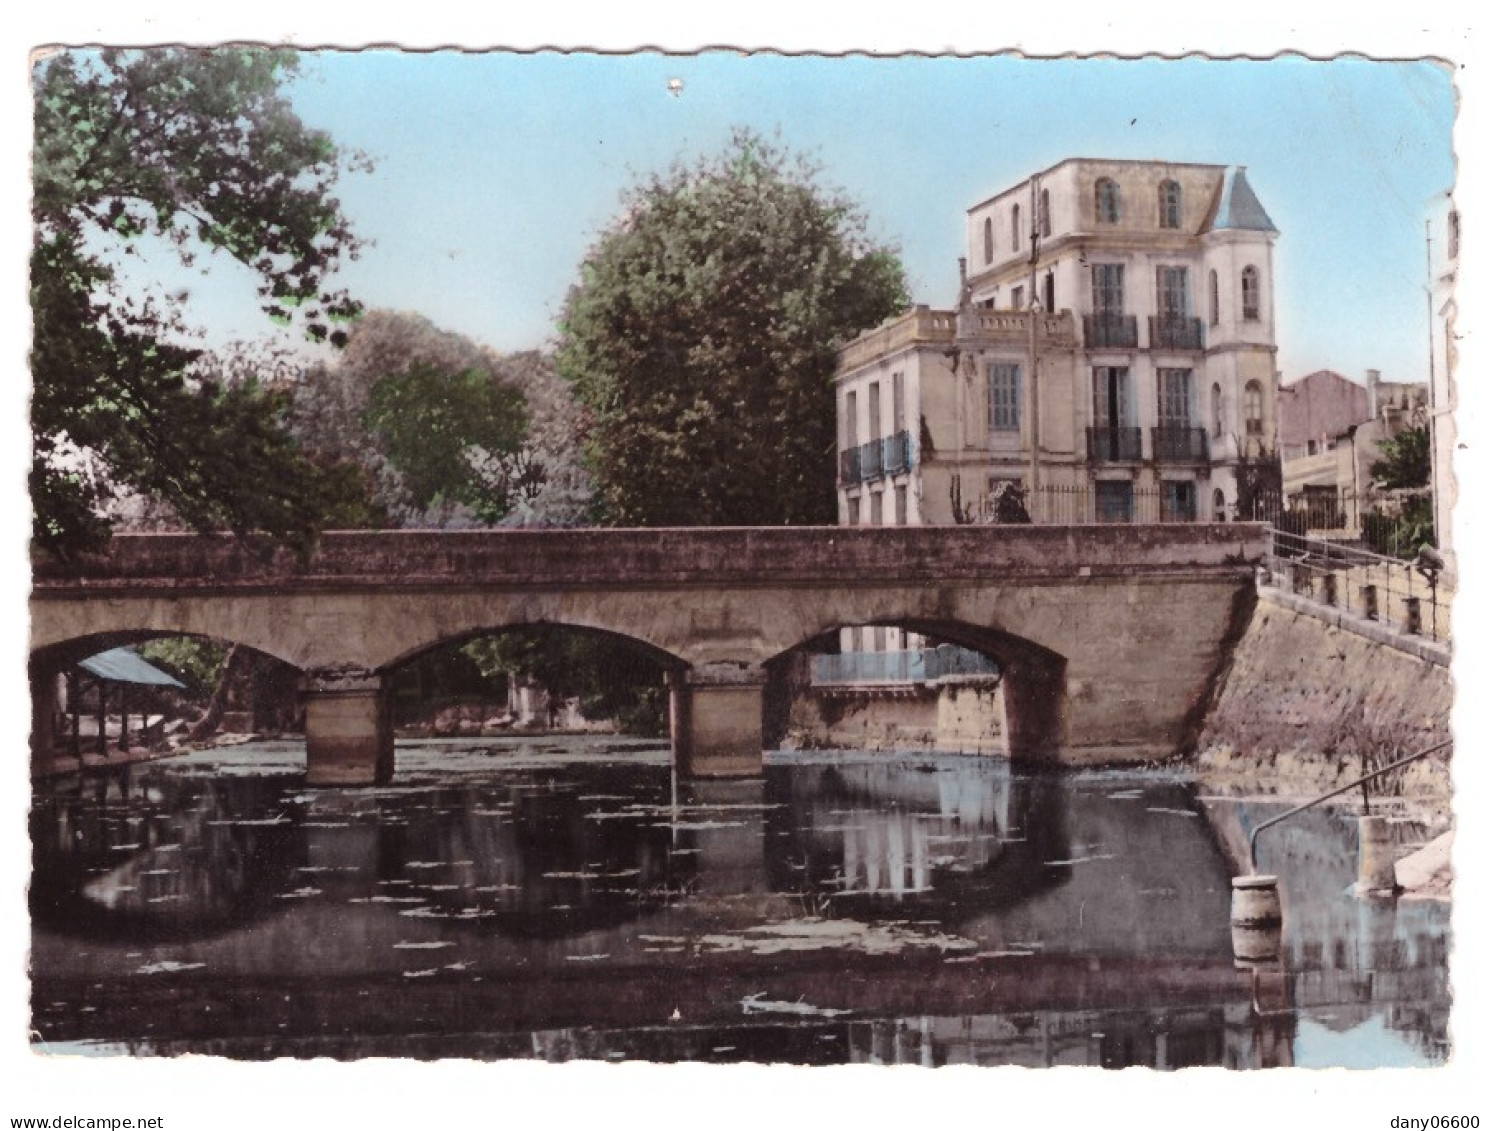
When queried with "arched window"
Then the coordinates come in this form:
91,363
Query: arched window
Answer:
1045,213
1108,203
1169,204
1253,408
1216,411
988,240
1214,301
1250,294
1015,240
1218,506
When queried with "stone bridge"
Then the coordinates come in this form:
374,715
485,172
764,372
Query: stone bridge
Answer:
1109,638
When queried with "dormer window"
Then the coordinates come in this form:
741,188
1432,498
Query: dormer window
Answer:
1170,204
1108,203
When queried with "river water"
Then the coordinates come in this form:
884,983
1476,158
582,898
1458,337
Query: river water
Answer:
569,899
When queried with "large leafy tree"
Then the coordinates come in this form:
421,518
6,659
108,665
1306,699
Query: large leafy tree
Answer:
702,334
449,431
198,149
1405,461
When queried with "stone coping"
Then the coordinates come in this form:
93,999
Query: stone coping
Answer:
1375,631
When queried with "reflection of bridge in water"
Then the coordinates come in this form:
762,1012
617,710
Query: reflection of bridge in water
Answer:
995,915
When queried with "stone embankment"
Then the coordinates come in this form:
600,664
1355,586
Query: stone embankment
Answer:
1308,703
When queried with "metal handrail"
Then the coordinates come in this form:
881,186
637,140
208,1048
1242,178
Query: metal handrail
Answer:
1253,836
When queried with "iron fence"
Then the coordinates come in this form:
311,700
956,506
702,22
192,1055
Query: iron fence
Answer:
1373,586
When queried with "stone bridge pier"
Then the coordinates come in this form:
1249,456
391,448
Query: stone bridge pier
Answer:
348,727
715,719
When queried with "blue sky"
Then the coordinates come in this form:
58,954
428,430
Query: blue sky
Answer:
495,172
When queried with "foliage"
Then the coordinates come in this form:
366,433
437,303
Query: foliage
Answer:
197,149
702,336
1401,535
454,437
612,677
332,403
1406,462
196,662
1260,488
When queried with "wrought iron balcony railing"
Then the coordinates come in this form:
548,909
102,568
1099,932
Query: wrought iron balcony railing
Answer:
1114,444
890,456
1176,332
1180,445
1110,331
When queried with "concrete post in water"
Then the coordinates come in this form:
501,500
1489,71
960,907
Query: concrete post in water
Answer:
1376,872
1257,919
348,727
716,720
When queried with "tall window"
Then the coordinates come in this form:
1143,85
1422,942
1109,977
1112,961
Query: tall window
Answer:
851,420
1017,298
877,510
1218,506
1004,398
1174,292
1110,396
1108,203
1250,294
1169,204
1016,241
1107,288
898,402
874,407
1213,300
1044,214
1216,411
1049,299
988,240
901,504
1175,398
1253,407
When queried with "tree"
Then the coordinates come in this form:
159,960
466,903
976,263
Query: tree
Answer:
458,381
1406,462
454,437
702,336
200,149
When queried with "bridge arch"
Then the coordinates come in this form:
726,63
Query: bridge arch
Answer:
1032,676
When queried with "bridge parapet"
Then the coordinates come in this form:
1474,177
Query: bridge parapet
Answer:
601,557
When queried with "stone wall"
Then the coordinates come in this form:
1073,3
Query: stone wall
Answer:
961,716
1306,702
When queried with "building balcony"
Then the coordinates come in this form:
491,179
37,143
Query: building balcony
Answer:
1176,332
1180,445
878,458
895,456
1110,331
1114,445
916,666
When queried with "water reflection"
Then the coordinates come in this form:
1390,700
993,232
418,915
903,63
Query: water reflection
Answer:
555,905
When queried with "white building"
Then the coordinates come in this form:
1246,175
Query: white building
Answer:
1153,351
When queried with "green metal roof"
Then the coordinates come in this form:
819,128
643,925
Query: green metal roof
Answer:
120,665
